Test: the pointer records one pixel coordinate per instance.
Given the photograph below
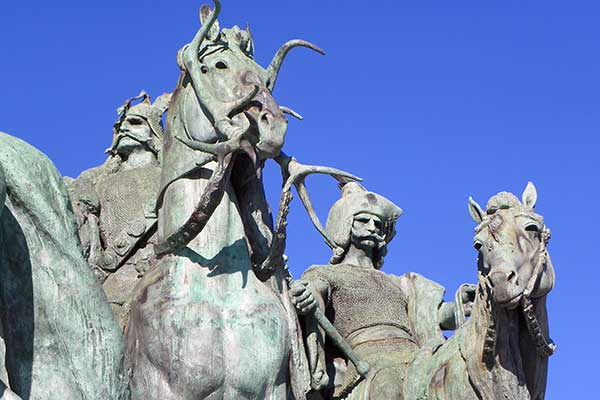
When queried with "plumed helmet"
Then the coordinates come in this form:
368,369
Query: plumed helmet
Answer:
355,200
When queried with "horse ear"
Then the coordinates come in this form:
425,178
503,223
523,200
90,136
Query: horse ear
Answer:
475,211
529,197
205,11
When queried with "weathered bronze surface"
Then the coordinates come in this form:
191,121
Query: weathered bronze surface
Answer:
174,234
204,322
60,337
384,318
115,203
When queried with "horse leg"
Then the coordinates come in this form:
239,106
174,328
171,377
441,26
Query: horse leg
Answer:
385,384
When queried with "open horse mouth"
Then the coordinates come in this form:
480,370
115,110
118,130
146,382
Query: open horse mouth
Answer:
268,125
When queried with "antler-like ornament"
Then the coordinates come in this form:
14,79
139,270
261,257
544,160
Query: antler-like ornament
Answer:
294,174
289,111
273,68
204,30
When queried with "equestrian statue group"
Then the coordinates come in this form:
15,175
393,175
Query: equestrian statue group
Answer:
161,273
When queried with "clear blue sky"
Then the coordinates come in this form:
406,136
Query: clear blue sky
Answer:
428,101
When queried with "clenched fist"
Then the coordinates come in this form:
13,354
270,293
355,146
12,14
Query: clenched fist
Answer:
302,297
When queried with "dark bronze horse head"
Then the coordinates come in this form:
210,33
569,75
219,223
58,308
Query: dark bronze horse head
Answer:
222,110
223,100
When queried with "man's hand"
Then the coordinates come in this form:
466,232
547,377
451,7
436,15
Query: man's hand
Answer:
468,298
303,297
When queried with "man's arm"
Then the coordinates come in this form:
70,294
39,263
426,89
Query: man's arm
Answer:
306,297
448,314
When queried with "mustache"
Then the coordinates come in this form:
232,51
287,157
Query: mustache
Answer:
117,138
372,236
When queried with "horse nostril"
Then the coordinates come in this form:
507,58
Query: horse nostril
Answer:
265,119
503,276
512,277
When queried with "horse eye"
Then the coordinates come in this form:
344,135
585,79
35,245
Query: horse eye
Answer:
221,65
204,69
532,228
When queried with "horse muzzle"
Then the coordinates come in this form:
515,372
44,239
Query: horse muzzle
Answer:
506,288
270,124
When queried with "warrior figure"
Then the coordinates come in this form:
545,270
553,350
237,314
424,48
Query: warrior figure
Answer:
115,202
385,319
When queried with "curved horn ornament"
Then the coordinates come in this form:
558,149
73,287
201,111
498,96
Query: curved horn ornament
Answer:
203,31
275,66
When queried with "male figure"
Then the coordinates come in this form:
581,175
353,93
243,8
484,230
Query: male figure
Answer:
114,203
384,318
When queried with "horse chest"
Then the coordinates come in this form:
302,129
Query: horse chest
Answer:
230,330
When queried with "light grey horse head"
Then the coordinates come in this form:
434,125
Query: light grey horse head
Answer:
511,239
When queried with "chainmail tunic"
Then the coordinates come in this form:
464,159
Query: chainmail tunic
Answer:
361,298
368,304
124,199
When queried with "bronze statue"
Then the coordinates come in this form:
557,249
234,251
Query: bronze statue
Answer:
207,320
176,229
376,313
502,351
60,337
115,202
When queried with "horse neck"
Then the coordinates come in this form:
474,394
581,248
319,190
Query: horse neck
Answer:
187,171
501,354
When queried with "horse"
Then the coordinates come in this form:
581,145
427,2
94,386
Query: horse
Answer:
502,351
207,322
60,338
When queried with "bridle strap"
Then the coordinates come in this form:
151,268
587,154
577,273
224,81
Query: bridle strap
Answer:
545,347
537,270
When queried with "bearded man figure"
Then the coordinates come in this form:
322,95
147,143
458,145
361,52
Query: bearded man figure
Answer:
387,320
115,202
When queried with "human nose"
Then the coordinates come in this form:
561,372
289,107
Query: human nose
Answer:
371,226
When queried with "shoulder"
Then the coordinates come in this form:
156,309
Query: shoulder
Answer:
319,272
414,282
83,196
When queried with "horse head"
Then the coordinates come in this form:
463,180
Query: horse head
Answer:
222,110
511,240
224,95
509,315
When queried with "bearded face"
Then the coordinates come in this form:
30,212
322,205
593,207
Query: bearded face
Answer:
367,231
134,133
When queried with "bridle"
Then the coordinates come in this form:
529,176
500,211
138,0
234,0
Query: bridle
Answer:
544,346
